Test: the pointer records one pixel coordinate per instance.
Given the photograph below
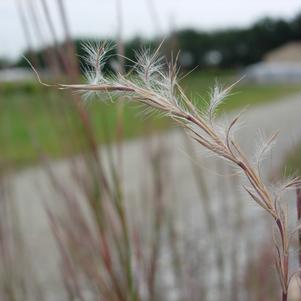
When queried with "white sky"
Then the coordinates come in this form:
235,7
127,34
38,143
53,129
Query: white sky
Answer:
97,18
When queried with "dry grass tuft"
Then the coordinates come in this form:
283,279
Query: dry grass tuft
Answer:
156,86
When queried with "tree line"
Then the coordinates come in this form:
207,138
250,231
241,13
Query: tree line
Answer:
225,48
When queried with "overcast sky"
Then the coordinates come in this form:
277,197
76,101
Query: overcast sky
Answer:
98,17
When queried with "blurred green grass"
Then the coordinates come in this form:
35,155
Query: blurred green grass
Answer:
292,163
244,94
37,120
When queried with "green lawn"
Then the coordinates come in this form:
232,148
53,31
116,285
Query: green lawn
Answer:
37,120
292,164
244,94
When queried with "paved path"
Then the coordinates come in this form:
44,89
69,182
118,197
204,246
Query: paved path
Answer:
31,187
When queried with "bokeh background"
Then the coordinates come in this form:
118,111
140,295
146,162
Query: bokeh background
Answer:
100,201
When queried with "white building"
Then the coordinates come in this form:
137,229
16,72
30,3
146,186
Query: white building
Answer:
16,74
280,65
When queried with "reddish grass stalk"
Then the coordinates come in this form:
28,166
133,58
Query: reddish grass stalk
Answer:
49,56
298,204
298,200
64,59
120,42
26,32
70,44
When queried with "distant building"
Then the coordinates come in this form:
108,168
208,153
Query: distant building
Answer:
280,65
16,74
